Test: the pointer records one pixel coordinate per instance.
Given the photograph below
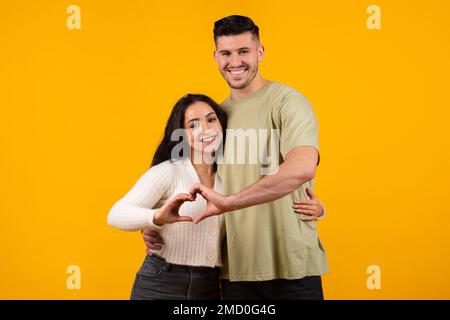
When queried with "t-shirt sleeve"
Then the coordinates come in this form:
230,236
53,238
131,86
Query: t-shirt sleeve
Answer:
297,123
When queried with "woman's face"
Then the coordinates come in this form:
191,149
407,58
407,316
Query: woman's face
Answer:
203,128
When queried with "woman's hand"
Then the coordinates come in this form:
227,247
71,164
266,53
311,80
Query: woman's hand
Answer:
153,241
310,209
168,213
216,203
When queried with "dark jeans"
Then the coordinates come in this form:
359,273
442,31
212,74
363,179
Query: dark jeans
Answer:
308,288
160,280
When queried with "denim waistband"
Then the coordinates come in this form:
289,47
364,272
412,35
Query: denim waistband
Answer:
180,267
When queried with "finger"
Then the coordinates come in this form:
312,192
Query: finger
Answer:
198,189
305,212
199,218
305,207
150,237
148,252
307,218
155,240
146,232
153,246
146,237
182,197
311,193
191,197
194,188
184,218
307,202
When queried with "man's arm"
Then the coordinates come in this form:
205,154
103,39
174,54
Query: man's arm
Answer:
299,167
298,146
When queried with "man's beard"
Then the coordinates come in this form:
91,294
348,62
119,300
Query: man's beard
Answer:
246,83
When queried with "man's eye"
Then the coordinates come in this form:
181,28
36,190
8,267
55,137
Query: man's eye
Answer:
226,54
243,52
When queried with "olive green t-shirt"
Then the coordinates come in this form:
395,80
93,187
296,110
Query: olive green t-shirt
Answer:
268,241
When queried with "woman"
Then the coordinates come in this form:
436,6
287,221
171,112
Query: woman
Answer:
187,266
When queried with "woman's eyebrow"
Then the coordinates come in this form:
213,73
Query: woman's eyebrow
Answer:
193,119
197,119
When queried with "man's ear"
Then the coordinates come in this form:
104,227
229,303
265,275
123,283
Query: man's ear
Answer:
215,56
260,53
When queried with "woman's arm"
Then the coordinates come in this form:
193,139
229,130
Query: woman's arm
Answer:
135,210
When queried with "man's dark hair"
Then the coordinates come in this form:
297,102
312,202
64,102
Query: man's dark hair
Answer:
234,25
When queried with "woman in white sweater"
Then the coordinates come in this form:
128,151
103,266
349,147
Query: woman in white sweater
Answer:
187,265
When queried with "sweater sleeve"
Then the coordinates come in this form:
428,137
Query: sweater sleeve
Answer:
135,210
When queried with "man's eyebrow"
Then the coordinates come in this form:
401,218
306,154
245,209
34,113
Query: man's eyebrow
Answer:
243,48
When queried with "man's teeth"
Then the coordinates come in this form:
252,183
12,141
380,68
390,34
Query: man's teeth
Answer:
237,72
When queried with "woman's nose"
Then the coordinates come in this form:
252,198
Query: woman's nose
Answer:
206,125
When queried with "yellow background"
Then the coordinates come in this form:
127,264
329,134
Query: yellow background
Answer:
83,110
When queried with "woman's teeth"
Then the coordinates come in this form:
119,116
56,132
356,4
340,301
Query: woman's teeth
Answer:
208,139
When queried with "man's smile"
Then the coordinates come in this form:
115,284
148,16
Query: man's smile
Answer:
238,71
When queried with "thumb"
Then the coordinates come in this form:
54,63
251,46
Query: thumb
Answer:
184,218
199,218
194,189
311,193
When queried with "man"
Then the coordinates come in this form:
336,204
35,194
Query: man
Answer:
270,252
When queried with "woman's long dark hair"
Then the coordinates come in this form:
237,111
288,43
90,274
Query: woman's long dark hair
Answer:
176,121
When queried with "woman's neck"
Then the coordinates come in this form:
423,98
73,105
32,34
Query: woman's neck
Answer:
205,170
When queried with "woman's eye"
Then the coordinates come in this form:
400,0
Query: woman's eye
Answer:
212,119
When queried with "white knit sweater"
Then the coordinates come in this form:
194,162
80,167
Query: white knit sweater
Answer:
186,243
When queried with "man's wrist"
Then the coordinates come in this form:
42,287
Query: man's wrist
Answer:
233,202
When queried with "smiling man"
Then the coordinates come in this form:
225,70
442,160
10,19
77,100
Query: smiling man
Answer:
270,252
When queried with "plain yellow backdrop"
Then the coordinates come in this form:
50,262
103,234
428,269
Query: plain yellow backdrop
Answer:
83,110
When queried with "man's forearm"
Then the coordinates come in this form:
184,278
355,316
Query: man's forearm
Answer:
298,168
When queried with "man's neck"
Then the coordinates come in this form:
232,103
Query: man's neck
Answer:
257,83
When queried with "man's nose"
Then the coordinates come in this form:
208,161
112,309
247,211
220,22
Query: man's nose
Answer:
235,60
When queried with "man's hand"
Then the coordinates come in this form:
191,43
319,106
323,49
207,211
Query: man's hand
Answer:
153,240
216,203
309,209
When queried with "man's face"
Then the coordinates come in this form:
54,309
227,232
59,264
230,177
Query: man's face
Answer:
237,57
